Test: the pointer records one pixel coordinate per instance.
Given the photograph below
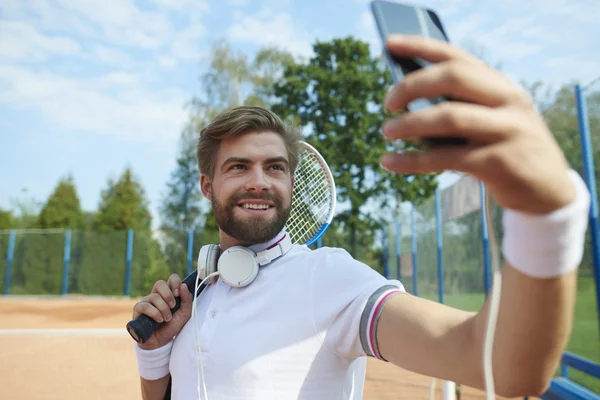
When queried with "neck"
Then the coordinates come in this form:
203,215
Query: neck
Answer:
227,241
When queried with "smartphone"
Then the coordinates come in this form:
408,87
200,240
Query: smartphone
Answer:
398,18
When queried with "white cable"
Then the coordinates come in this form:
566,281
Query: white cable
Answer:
494,307
432,389
197,349
492,317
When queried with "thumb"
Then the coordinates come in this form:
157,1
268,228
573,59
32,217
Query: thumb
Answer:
186,299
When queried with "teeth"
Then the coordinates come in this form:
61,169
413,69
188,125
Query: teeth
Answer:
256,206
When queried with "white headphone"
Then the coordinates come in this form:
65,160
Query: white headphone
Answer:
238,266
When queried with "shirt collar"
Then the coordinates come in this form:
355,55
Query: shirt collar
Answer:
257,248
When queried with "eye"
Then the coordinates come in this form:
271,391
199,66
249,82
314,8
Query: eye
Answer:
278,167
237,166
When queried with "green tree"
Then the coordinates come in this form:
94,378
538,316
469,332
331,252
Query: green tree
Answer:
337,96
7,219
123,206
63,208
25,211
181,209
233,79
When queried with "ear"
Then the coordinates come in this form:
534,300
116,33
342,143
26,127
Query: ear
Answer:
206,186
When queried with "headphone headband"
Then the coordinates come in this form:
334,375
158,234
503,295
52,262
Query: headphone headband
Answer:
271,254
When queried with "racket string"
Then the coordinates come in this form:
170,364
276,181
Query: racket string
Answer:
312,198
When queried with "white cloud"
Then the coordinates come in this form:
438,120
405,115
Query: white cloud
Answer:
238,3
79,105
167,62
85,67
189,6
266,28
111,56
21,41
122,24
185,43
117,79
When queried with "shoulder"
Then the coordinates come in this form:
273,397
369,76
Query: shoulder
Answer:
334,267
335,262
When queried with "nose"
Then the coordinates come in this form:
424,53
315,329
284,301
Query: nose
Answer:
258,181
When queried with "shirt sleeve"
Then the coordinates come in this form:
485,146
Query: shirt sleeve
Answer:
347,299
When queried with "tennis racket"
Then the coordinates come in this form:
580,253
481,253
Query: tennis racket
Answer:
313,207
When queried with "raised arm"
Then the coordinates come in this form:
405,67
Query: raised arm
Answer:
546,209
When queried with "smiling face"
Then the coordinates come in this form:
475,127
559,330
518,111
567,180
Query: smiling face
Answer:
251,188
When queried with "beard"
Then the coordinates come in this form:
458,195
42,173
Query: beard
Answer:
252,229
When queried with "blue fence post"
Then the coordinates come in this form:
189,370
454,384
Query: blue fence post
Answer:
590,179
487,271
320,242
66,260
386,268
128,261
413,228
190,251
398,248
440,261
9,260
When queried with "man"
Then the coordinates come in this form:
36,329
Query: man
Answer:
296,330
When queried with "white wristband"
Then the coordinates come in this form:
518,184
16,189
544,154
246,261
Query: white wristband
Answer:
550,245
154,364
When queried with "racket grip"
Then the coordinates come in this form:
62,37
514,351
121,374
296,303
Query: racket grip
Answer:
143,327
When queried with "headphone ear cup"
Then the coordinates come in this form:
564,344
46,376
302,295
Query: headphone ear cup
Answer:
238,266
207,260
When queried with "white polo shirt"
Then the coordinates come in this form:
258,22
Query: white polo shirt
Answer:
301,330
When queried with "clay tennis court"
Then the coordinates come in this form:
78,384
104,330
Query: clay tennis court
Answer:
77,348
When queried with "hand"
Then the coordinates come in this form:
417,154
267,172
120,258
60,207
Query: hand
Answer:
509,148
158,304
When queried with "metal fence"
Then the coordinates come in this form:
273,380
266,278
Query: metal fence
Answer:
62,261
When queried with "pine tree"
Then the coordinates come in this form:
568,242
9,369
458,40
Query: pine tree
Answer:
123,206
63,208
38,267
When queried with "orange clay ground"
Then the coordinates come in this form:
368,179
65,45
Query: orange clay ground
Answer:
37,365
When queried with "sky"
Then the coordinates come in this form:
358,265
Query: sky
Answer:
88,88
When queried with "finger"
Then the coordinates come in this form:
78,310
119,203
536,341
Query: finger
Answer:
185,309
174,283
429,49
457,80
162,288
457,158
146,308
186,297
161,304
476,123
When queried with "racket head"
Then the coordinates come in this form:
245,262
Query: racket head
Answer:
313,198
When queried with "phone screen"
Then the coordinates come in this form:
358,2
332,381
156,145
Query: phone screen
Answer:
391,17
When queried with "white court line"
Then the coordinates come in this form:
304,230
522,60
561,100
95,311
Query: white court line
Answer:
68,332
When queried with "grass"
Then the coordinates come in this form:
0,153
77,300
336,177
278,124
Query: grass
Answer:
585,338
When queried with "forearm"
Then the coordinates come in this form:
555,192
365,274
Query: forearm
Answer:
154,389
533,326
